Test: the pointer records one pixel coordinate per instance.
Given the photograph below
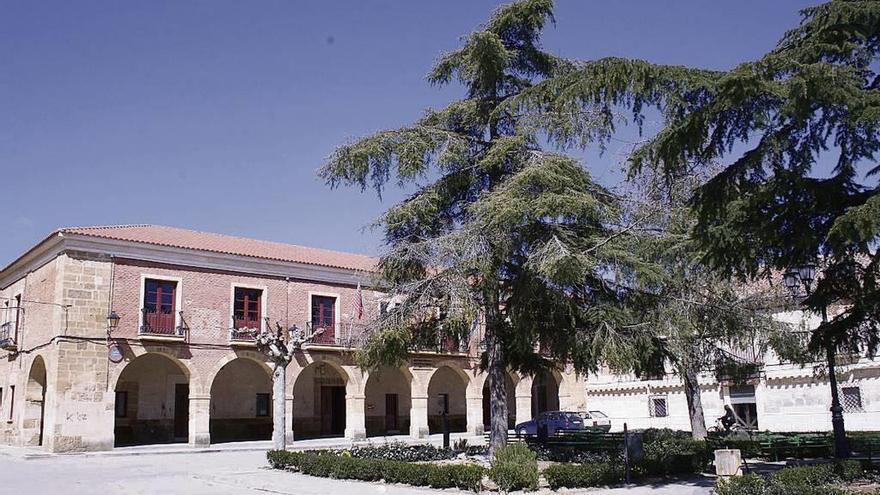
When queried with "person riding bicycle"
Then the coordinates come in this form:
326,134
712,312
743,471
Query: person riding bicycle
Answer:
729,418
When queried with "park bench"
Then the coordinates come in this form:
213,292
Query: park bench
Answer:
774,445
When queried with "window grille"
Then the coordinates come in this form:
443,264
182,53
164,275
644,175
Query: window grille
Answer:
658,407
852,399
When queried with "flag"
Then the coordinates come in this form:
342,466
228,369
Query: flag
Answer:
359,302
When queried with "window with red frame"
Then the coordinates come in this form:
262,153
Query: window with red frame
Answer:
324,315
246,308
159,305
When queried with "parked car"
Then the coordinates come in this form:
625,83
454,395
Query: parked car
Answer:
553,420
597,420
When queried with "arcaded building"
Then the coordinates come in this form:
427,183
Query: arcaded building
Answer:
180,363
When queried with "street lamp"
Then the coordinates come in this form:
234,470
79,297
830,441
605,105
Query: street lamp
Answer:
112,321
793,279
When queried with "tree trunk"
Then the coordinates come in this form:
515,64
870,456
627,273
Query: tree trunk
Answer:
279,375
694,403
496,369
497,393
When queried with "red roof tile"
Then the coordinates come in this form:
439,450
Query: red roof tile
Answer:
220,243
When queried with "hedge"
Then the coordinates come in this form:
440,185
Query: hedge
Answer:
331,465
581,475
819,479
515,467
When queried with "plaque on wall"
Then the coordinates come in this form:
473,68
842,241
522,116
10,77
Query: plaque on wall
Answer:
114,352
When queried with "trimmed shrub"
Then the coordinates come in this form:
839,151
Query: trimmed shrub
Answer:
747,484
817,479
804,476
672,452
463,476
328,464
581,476
515,467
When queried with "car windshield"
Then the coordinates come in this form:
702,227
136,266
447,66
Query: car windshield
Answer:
598,414
572,417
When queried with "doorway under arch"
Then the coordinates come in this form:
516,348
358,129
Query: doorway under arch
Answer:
510,388
152,402
387,402
545,393
319,401
446,392
241,402
35,403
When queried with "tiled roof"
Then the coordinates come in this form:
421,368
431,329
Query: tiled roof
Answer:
220,243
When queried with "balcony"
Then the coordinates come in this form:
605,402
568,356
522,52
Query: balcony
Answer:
161,325
740,365
244,331
431,341
7,337
9,329
337,335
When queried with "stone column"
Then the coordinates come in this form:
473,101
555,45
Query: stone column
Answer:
288,419
355,417
524,400
199,420
418,417
474,414
573,392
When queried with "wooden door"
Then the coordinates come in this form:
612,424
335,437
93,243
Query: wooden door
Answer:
391,412
181,411
332,410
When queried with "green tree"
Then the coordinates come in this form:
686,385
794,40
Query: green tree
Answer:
813,101
697,320
504,232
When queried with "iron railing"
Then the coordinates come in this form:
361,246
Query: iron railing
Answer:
9,329
8,337
348,335
244,330
163,324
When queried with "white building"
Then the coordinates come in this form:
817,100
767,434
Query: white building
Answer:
781,396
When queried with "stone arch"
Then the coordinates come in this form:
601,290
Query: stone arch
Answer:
545,388
240,407
319,400
388,400
511,380
35,403
256,357
447,394
197,385
152,400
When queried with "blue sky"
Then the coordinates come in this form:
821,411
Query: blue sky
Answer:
214,115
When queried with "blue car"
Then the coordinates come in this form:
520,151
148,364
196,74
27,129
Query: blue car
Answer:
553,420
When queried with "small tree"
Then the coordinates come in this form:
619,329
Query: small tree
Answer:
280,350
692,315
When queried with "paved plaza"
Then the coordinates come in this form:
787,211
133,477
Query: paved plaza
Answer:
234,469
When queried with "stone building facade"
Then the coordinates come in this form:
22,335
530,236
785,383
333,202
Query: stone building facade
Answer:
181,365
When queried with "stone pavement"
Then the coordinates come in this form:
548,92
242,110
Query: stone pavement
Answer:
224,472
257,446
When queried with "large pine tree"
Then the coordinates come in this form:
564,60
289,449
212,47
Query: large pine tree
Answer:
796,133
504,233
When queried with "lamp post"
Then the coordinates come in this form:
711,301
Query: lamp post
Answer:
112,322
793,279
